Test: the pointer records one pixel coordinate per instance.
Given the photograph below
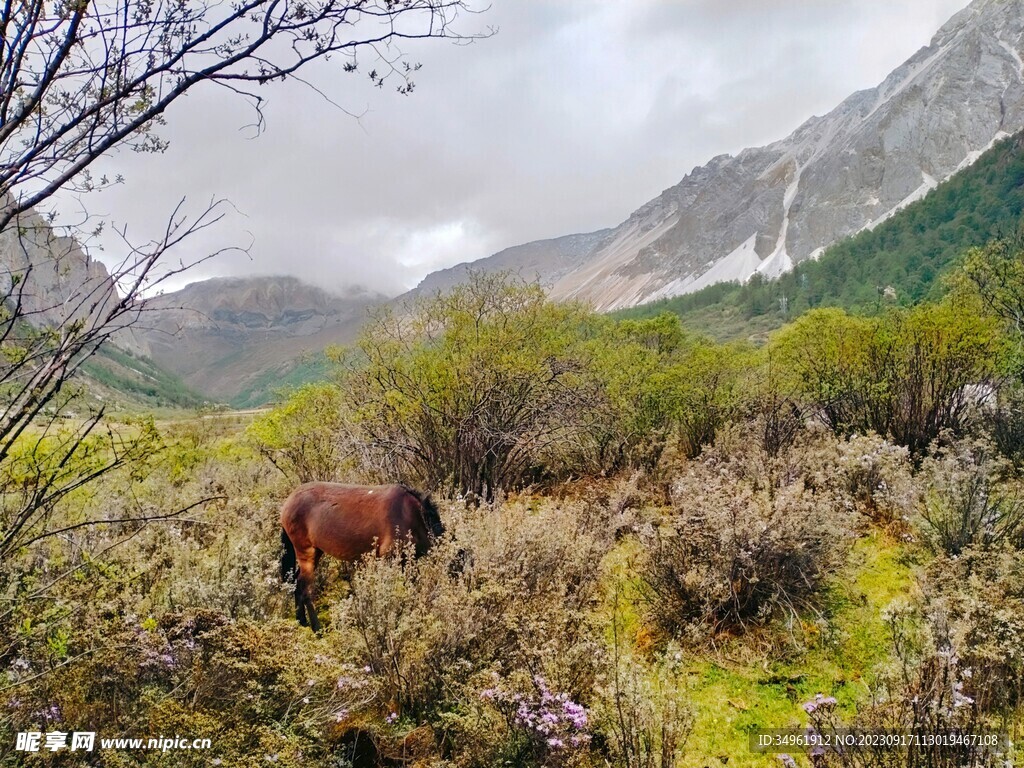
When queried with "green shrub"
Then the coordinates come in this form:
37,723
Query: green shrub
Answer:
304,437
908,375
1003,422
632,363
476,390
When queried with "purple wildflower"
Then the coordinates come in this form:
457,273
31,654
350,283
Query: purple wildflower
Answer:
551,718
50,714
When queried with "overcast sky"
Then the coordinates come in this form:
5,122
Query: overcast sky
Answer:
570,117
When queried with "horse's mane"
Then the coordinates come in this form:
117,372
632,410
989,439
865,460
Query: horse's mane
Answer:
431,515
422,498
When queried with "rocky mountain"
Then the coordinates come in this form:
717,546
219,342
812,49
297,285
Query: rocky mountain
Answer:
543,260
227,335
52,281
220,337
770,207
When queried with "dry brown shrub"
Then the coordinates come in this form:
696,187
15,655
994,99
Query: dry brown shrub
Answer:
752,536
877,476
977,599
521,604
971,498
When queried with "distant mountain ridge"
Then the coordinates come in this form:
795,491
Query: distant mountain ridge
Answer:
771,207
544,260
229,339
229,335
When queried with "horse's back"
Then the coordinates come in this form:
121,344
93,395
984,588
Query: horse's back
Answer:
309,495
345,521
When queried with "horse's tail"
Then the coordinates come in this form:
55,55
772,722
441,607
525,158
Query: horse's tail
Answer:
288,561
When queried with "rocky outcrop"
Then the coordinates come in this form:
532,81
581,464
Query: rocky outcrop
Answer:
54,281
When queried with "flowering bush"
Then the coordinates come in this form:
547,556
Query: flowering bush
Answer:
929,691
521,602
269,688
970,499
877,475
552,724
642,711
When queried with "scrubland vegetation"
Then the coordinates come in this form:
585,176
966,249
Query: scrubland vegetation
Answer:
656,545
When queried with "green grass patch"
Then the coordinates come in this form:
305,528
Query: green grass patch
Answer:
141,383
761,679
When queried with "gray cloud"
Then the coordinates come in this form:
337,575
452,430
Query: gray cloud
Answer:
573,115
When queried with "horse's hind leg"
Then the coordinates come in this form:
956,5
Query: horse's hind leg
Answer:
300,603
304,591
314,620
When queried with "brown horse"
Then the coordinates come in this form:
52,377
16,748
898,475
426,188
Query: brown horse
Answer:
347,522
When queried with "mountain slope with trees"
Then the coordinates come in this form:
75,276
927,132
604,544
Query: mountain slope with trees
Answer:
900,262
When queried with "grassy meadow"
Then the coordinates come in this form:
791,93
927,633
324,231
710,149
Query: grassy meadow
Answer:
656,545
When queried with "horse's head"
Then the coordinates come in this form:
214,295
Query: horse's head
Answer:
431,517
459,563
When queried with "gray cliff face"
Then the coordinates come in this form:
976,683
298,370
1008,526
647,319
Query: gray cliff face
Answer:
55,281
770,207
